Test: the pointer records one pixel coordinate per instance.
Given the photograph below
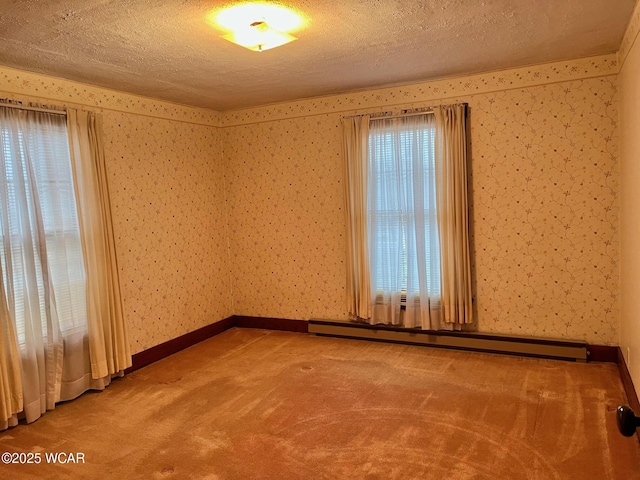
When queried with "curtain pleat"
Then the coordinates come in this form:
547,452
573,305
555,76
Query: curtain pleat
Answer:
108,336
11,396
453,216
355,154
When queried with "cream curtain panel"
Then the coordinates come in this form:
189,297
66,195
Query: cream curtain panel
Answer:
407,219
11,397
108,337
356,155
453,213
61,326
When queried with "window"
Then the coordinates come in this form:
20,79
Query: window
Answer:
38,203
402,216
406,204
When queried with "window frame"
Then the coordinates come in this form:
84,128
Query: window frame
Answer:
428,132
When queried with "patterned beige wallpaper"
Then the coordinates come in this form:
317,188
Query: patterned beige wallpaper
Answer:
545,208
168,199
544,192
167,186
286,223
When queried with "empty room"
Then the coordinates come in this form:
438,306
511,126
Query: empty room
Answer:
368,239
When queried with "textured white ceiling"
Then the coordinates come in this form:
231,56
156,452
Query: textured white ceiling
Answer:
170,50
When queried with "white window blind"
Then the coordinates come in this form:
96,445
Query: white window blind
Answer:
402,206
38,201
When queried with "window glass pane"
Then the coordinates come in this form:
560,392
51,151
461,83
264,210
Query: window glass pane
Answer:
39,191
402,205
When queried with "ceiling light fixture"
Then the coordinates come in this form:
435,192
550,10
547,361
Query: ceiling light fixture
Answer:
259,36
259,26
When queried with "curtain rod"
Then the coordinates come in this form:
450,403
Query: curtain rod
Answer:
34,109
403,115
388,115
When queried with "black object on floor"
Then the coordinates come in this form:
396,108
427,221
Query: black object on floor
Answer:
627,421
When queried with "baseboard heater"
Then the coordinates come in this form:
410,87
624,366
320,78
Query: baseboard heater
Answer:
535,347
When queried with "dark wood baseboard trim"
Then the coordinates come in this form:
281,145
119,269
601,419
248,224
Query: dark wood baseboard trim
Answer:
629,389
153,354
609,354
287,325
170,347
602,353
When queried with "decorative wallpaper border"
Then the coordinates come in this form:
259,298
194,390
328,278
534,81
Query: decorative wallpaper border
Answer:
502,80
630,35
19,82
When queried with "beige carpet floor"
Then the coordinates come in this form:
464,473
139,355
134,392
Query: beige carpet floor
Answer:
256,404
